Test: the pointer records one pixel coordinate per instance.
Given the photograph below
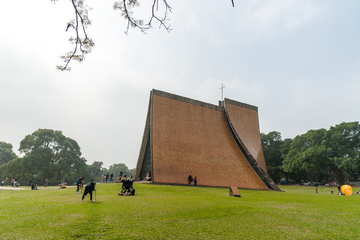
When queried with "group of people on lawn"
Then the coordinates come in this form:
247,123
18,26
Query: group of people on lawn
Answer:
127,188
14,182
89,188
80,184
107,177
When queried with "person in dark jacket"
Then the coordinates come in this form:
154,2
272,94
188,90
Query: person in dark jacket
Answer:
89,188
190,179
131,191
111,177
107,177
78,182
339,189
127,182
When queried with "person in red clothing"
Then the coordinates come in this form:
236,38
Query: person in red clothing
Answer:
195,181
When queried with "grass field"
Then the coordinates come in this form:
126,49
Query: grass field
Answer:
179,212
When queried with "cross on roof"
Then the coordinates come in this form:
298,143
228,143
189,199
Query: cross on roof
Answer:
222,92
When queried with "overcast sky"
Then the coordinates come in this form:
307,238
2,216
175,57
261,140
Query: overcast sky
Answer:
297,60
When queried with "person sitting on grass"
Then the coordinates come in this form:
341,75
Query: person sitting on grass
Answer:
62,185
131,192
34,187
127,192
89,188
123,191
147,177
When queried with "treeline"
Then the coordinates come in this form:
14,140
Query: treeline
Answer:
48,154
318,155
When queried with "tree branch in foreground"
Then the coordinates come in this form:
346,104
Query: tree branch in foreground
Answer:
125,5
83,45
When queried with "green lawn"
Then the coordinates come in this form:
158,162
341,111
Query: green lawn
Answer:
179,212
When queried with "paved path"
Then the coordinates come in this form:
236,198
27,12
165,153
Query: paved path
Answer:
12,188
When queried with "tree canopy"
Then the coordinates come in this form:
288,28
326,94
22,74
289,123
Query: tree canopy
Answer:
6,153
342,146
306,154
275,149
117,167
316,155
49,154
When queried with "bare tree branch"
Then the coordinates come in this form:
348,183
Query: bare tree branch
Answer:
163,20
125,5
82,45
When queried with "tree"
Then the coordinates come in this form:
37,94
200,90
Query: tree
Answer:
307,154
20,168
94,170
117,167
271,144
284,149
6,153
342,144
49,154
275,150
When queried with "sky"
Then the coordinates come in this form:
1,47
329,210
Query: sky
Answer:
298,61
